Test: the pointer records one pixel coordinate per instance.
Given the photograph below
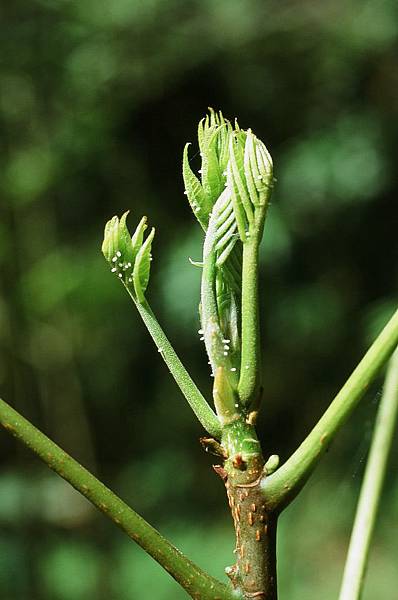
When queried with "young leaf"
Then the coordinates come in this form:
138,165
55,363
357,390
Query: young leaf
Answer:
128,257
108,245
213,136
194,192
237,179
124,240
142,267
138,236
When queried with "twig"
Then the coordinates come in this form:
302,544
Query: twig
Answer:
282,487
355,567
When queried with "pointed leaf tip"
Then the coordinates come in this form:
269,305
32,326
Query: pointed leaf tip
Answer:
108,245
138,236
142,265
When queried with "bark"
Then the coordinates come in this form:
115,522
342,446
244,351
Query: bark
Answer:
254,572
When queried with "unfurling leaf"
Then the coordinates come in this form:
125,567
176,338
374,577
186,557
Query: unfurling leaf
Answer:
142,267
194,192
213,136
129,257
230,200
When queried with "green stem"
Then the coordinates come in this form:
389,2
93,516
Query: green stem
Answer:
369,498
196,582
281,487
195,399
220,360
250,362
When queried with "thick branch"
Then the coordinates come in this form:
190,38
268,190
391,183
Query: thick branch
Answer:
365,518
281,487
195,581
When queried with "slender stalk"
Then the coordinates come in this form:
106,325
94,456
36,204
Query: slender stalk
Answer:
369,498
197,402
196,582
281,487
250,362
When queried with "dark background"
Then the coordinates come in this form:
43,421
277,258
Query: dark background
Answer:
97,99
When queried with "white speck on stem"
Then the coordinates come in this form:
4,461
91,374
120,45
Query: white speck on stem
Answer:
114,259
200,331
247,367
160,349
120,275
233,369
114,270
118,254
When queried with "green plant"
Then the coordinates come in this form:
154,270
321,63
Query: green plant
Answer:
230,203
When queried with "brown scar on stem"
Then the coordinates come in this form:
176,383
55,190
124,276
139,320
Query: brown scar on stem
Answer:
250,518
258,535
248,485
253,507
238,462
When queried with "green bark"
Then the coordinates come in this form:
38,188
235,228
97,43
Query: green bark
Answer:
254,572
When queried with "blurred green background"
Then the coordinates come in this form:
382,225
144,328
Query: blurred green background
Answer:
96,101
